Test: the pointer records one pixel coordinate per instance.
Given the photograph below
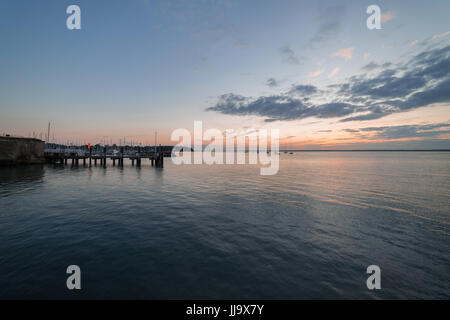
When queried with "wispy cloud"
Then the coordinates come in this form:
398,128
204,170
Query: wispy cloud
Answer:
373,66
316,73
289,56
437,36
271,82
303,90
346,53
430,39
406,131
370,66
388,16
329,24
333,72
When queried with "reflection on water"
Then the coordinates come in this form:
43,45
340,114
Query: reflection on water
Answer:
226,232
20,179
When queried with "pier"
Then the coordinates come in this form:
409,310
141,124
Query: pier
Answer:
90,158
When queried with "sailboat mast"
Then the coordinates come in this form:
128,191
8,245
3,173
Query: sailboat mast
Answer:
48,133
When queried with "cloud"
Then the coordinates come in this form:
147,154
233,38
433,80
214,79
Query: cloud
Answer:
387,84
278,107
429,40
371,66
351,130
422,80
329,24
346,53
369,116
303,90
333,72
289,56
271,82
408,131
273,107
388,16
437,36
314,74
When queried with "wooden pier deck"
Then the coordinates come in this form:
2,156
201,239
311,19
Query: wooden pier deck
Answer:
156,159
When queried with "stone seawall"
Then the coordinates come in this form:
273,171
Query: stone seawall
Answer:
14,150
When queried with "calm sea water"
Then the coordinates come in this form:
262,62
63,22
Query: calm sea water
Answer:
227,232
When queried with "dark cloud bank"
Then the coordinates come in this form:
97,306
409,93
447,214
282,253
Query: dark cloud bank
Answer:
386,89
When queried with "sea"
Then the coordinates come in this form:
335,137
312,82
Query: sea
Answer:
227,232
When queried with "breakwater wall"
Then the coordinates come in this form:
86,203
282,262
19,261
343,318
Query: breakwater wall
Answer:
16,150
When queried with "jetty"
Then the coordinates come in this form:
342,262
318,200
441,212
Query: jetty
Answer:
76,157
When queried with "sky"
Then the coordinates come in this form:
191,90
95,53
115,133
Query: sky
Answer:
311,69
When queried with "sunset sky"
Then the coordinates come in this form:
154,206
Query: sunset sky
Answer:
309,68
